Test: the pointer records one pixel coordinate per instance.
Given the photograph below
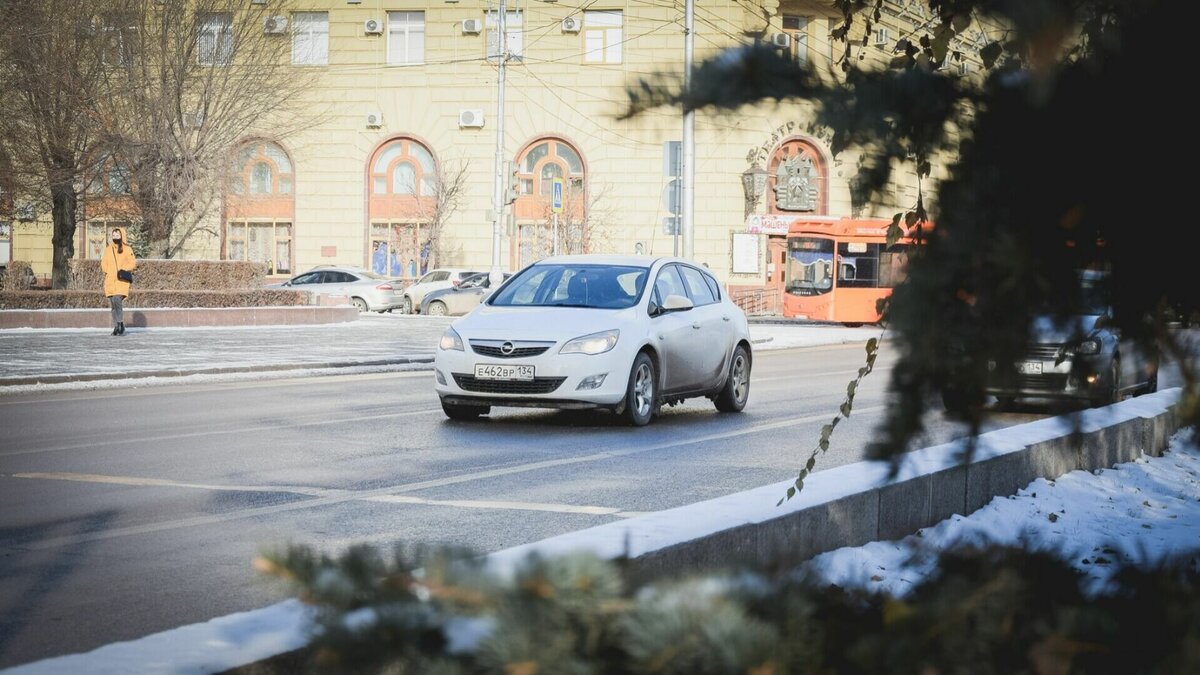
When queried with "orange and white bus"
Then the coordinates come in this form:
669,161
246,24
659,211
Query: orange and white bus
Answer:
839,268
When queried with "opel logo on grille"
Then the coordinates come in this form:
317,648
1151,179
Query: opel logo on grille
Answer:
507,348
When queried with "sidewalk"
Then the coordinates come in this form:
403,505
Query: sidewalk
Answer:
67,358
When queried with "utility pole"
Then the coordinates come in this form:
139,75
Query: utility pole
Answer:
498,188
688,195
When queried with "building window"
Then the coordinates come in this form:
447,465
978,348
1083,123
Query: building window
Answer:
399,249
262,169
215,40
513,27
310,38
834,24
406,38
404,168
602,36
797,27
264,242
109,178
540,232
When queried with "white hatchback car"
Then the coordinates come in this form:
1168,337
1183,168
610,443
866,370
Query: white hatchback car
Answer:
625,333
442,277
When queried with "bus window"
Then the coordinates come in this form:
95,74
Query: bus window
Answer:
809,266
892,264
858,265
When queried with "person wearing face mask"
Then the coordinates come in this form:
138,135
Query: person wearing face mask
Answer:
118,257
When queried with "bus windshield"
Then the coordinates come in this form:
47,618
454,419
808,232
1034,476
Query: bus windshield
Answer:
809,266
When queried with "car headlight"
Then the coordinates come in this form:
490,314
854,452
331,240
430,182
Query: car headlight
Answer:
1088,347
451,340
596,343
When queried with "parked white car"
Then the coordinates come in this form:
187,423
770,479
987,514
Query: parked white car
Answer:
624,333
442,277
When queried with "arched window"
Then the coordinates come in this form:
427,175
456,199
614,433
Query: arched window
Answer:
260,207
403,193
541,230
797,179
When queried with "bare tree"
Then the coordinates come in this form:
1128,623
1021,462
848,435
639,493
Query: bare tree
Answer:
447,197
50,64
187,82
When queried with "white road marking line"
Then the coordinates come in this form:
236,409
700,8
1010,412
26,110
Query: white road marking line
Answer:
502,505
420,485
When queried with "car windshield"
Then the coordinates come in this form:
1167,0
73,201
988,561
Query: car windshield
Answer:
567,285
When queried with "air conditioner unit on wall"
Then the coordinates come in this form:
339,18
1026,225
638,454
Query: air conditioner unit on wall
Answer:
781,40
374,119
473,26
470,119
275,25
373,27
570,25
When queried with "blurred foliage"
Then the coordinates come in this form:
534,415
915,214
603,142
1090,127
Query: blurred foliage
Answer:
1065,155
983,610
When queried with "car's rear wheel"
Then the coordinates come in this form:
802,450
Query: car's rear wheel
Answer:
406,306
464,413
641,393
359,304
736,392
437,308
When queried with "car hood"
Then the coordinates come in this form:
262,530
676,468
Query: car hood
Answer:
540,323
1046,329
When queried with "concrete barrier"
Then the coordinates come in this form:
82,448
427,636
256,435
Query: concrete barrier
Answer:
178,317
858,503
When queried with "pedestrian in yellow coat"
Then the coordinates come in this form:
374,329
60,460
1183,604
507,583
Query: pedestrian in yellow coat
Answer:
118,257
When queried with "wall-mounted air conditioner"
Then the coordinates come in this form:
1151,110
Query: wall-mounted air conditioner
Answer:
782,40
275,25
374,119
571,25
373,27
472,26
470,119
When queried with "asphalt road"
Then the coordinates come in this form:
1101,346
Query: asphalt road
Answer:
126,512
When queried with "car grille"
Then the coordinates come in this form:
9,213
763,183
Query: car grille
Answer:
538,385
517,352
1050,382
1043,352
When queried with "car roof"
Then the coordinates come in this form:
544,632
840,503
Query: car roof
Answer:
613,259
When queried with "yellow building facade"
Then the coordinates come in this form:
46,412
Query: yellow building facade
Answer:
404,99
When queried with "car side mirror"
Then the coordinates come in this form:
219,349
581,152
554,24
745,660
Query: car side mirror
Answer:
676,303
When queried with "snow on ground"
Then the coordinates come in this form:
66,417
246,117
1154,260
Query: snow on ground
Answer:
1136,513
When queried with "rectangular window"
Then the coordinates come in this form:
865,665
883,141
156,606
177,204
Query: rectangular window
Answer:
310,38
602,36
269,243
97,237
406,38
513,27
797,27
834,24
215,39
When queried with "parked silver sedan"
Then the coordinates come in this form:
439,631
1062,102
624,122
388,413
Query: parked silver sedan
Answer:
367,291
460,299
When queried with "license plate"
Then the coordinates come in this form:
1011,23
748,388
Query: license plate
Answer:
488,371
1030,368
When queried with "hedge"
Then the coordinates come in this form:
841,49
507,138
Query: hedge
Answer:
153,298
16,276
178,275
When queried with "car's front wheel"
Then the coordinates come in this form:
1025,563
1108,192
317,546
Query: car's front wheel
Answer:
464,413
733,396
437,308
641,392
406,305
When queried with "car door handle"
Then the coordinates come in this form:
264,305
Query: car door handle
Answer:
696,326
662,337
724,318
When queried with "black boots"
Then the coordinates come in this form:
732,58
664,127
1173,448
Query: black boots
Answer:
120,329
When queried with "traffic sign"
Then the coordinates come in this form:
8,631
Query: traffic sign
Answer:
556,195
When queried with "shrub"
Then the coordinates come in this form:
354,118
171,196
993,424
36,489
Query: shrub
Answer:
178,275
16,276
990,610
154,298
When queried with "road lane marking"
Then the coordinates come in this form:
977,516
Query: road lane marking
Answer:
336,499
496,505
